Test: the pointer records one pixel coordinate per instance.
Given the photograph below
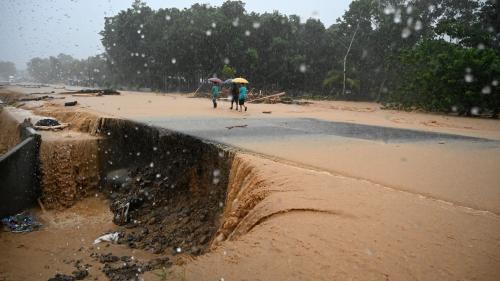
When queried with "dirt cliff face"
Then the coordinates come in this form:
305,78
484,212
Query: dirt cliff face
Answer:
70,171
9,136
168,190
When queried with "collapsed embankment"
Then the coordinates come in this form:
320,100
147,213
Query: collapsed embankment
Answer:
171,192
169,188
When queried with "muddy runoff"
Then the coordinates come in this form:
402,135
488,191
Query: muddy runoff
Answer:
167,190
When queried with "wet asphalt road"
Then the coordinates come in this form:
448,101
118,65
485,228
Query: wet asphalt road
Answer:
216,129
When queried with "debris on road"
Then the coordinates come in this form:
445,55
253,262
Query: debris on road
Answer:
236,126
22,222
267,112
110,237
49,124
70,103
36,98
268,99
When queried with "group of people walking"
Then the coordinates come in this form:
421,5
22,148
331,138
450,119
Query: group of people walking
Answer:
238,95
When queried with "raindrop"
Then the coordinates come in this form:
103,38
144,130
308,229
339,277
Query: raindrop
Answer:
214,25
143,55
475,110
142,36
167,17
486,90
494,83
155,148
469,78
215,181
139,31
136,54
397,16
405,33
178,249
454,108
208,32
256,25
409,10
131,54
480,46
142,25
236,22
151,165
418,25
216,172
247,33
226,61
138,72
303,68
389,10
145,65
409,21
158,176
431,8
174,60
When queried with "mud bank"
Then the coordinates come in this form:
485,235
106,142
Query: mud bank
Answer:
167,188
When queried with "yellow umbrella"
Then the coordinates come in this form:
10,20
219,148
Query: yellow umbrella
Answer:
240,80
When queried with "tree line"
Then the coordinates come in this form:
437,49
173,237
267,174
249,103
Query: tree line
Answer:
435,55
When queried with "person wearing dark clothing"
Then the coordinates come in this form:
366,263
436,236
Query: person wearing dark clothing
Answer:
235,93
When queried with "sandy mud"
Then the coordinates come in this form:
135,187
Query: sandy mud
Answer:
299,209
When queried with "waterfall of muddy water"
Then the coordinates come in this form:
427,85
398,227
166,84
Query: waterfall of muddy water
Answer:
9,131
168,190
70,170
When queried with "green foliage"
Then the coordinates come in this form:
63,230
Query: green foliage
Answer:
228,72
441,76
66,69
397,56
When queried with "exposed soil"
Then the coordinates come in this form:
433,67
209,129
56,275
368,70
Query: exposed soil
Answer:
163,215
9,136
70,170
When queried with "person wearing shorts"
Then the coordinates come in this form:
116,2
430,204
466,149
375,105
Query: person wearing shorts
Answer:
242,97
234,93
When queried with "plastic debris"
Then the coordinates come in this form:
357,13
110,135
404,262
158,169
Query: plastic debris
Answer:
110,237
22,222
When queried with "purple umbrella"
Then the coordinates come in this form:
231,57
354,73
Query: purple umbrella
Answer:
215,80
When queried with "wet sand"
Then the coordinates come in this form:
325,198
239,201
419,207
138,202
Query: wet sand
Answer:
65,237
338,208
314,225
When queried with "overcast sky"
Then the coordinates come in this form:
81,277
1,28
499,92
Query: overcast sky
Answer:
30,28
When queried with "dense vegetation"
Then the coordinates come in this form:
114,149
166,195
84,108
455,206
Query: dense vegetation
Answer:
440,55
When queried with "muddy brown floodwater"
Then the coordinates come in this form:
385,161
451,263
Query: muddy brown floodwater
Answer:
190,209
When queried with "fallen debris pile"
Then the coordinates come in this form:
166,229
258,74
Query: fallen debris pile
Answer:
22,222
36,98
49,124
126,268
160,214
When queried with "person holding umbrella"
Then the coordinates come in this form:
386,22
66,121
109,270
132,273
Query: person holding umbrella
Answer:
242,92
215,89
